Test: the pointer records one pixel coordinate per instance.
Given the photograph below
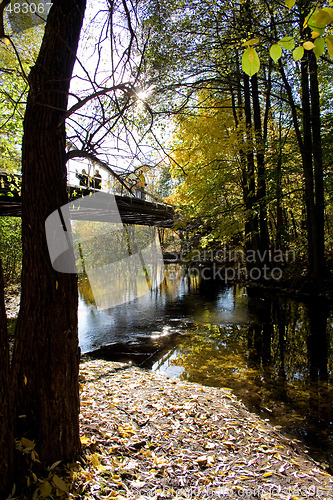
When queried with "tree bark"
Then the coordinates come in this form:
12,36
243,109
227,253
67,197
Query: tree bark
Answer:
261,180
307,160
46,352
7,444
319,238
251,225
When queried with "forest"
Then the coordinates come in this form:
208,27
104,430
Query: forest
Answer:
227,105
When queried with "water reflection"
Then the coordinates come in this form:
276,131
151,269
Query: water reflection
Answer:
275,353
118,263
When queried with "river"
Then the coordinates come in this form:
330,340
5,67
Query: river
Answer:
275,353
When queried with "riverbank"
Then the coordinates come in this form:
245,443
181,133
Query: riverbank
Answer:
146,436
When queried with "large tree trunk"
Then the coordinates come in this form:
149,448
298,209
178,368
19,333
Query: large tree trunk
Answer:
7,447
46,353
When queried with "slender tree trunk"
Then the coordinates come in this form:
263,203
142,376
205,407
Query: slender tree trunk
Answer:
319,241
7,444
252,219
307,160
261,181
46,353
310,148
280,230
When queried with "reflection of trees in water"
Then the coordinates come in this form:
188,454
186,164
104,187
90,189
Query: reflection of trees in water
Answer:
318,312
121,262
320,415
85,290
279,361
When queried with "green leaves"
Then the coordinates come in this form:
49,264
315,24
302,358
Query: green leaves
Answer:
275,52
287,42
319,47
250,61
319,20
298,53
324,16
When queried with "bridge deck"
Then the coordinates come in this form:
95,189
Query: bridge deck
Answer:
132,210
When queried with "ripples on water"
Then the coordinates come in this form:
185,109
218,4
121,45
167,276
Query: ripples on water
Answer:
274,352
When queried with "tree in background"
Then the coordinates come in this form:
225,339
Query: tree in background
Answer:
247,51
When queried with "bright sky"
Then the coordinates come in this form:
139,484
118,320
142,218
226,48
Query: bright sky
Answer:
122,156
119,152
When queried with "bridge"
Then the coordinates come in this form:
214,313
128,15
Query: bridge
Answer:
132,210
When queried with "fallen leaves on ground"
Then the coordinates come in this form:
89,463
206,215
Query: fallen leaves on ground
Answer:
146,436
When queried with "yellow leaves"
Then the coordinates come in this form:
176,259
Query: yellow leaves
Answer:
160,462
84,440
251,457
290,3
27,445
146,453
25,380
45,489
126,430
228,444
7,41
116,479
94,460
55,464
308,45
59,483
250,42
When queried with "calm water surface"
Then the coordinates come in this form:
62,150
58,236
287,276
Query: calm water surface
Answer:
273,352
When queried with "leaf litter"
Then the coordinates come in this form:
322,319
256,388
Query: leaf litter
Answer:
147,436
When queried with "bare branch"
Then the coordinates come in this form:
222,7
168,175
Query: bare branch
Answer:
84,154
124,87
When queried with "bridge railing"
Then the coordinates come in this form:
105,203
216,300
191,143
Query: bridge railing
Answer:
10,186
111,185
